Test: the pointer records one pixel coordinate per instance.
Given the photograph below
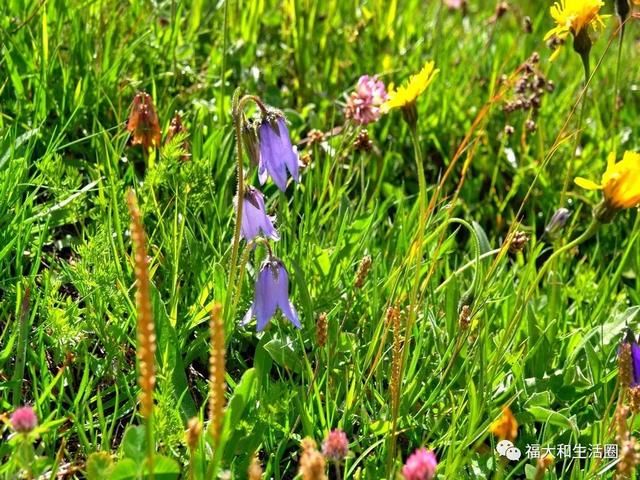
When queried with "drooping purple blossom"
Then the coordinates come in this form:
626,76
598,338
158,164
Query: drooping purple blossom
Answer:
277,154
255,220
271,293
24,419
421,465
635,364
363,105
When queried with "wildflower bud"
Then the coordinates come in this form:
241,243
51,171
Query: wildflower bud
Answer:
509,130
255,470
517,241
527,25
336,446
176,127
557,222
312,463
421,465
194,429
321,330
305,158
535,57
622,9
24,419
363,271
249,134
315,137
464,318
363,142
143,122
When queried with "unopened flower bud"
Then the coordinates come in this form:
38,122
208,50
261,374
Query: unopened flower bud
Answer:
557,222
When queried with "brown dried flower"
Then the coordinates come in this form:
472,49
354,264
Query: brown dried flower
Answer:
143,122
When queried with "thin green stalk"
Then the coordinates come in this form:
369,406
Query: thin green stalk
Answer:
223,63
616,92
574,153
23,326
413,304
586,235
238,114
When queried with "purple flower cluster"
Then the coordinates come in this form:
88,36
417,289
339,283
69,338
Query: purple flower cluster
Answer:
269,145
363,105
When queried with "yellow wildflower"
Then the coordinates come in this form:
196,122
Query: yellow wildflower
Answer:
572,16
505,427
620,182
406,95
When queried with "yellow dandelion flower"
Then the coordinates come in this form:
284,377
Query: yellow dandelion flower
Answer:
406,95
573,16
505,427
620,182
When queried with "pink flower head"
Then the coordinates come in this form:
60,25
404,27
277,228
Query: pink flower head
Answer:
421,465
336,445
363,105
24,419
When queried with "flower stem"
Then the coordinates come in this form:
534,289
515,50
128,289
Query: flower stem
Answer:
616,92
574,154
413,304
238,116
586,235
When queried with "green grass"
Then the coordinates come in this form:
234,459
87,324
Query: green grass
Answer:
68,72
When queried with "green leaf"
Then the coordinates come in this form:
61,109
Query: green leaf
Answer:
125,469
99,466
283,353
133,444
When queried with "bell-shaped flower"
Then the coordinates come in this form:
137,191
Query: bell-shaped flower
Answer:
277,154
255,221
271,293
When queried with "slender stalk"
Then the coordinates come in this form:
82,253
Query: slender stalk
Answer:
223,63
237,120
413,304
586,235
616,92
238,116
574,154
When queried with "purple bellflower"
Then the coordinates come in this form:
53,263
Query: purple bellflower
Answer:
277,155
630,339
255,220
271,293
